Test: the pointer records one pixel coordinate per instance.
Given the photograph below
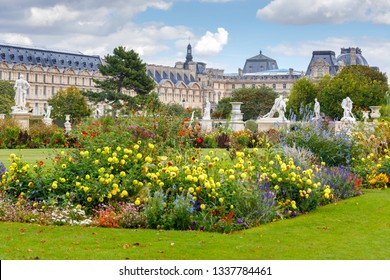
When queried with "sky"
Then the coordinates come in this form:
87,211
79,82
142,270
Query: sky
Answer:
222,33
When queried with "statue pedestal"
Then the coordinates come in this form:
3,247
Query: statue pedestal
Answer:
236,120
265,124
47,121
207,124
23,118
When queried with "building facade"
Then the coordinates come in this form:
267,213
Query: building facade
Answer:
188,83
47,72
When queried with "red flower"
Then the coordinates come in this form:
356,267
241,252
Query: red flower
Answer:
56,141
200,140
188,109
40,163
84,133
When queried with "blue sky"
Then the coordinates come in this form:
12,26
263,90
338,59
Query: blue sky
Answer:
223,33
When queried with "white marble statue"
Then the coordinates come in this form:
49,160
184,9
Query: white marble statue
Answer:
317,110
347,107
207,110
48,112
21,86
279,106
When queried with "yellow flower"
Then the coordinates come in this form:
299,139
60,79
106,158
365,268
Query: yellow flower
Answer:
62,180
136,147
87,177
54,185
137,202
221,200
89,199
122,174
124,193
30,184
202,206
232,177
63,166
276,187
191,190
139,155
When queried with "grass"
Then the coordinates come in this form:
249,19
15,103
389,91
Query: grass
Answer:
353,229
30,156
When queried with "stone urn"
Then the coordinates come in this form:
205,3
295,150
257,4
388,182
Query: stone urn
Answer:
375,114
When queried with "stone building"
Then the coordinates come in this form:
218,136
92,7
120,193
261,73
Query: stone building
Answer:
188,83
47,71
325,62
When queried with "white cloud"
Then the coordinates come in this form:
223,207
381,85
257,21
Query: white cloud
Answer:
330,11
212,43
14,38
51,15
375,52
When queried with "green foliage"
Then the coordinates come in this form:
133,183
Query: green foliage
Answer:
7,94
251,125
124,70
302,94
256,101
330,147
364,85
69,102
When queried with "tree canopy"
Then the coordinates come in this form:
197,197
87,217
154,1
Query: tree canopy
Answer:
7,94
256,101
69,102
124,70
302,95
365,86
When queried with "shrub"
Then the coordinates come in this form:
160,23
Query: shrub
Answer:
330,147
251,125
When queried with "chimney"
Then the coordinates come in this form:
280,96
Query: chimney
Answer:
353,56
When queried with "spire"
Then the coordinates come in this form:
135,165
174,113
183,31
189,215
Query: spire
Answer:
189,53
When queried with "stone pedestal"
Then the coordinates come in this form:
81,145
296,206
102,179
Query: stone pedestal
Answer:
236,119
47,121
23,118
207,125
265,124
344,126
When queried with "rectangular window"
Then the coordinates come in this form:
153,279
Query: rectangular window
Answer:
52,91
36,77
274,86
284,86
68,80
52,79
1,75
27,77
44,79
9,75
36,109
36,91
44,91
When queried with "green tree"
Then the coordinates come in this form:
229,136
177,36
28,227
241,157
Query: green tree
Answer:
69,102
364,85
302,95
124,70
7,94
256,102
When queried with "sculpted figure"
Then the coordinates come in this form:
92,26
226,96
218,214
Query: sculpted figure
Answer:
21,86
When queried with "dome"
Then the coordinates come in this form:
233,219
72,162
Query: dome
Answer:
351,56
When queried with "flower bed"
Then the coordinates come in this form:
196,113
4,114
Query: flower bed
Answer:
127,174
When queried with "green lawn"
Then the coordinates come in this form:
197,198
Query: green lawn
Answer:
353,229
30,156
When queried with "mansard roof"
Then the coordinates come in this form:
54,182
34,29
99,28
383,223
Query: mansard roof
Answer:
259,63
13,54
328,57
